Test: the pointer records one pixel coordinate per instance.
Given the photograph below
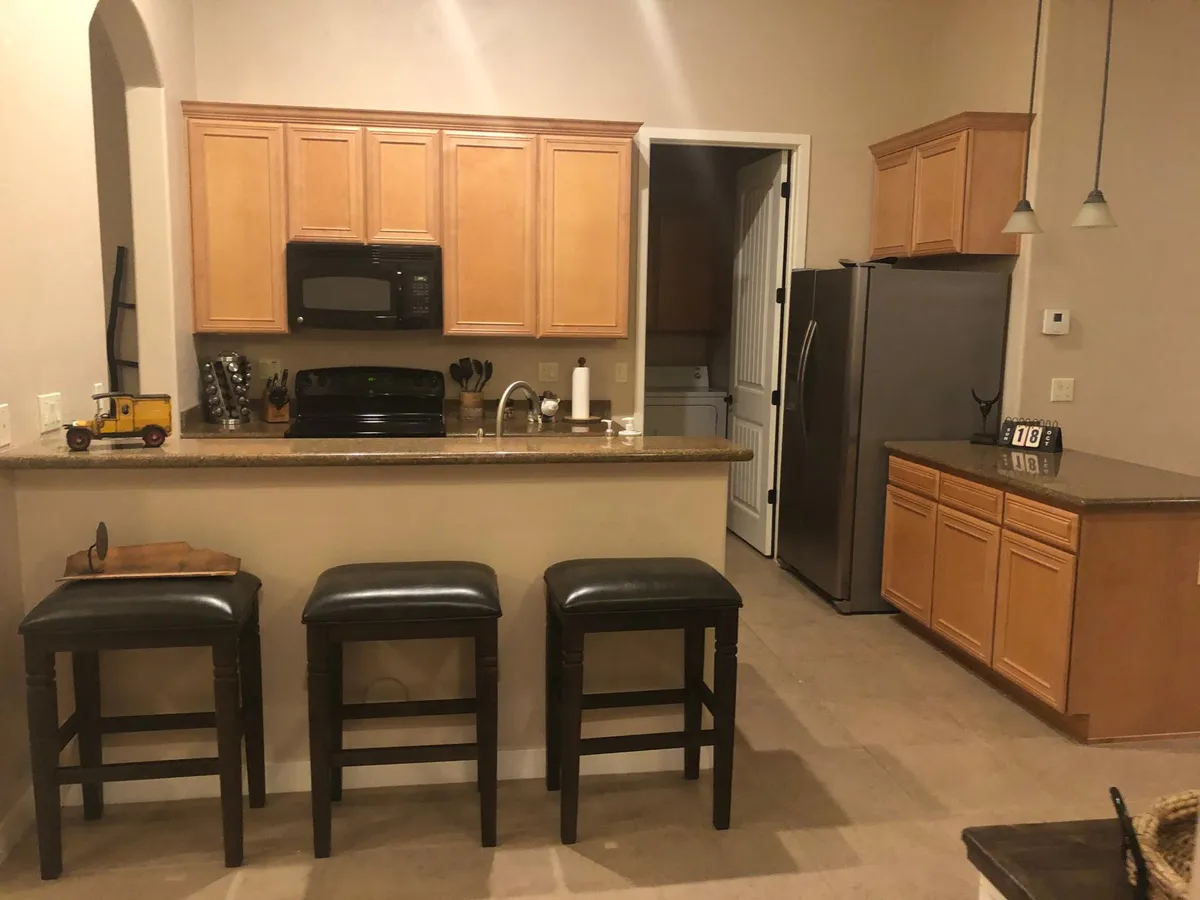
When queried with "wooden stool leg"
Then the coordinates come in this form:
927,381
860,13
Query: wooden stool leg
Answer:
336,723
252,713
229,745
725,697
693,706
572,722
42,707
319,743
85,666
553,699
486,726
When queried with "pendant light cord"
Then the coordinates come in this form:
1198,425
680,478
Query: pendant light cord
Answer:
1104,92
1037,40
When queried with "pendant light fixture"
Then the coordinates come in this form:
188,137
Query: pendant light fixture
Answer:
1023,220
1095,212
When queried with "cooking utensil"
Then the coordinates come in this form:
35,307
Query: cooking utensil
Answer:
457,374
487,373
478,367
464,366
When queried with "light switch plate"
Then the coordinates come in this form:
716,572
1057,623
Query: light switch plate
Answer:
548,372
99,388
269,367
5,426
49,412
622,373
1062,390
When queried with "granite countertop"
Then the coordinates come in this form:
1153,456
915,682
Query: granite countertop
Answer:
1069,479
1051,860
52,453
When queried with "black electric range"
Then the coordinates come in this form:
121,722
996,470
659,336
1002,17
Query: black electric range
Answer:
368,401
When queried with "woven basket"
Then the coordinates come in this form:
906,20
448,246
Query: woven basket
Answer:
1167,835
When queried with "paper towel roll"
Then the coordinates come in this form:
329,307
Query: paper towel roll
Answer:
581,382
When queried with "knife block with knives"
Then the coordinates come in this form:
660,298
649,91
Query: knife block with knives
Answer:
276,405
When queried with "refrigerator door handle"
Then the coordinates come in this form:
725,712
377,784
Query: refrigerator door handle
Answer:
803,375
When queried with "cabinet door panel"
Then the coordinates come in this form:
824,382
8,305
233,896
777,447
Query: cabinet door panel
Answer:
892,217
583,288
1035,601
909,537
238,227
404,185
964,581
941,181
325,183
490,249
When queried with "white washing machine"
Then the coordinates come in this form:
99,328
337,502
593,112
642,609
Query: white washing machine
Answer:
679,401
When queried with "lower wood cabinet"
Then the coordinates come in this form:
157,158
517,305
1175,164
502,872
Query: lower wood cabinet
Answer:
1035,597
964,581
909,536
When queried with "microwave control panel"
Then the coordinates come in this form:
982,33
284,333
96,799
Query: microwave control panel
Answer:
419,295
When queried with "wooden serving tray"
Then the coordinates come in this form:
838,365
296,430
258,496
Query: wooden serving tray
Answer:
163,560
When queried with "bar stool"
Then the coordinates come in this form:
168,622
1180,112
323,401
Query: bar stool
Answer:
591,595
83,618
388,602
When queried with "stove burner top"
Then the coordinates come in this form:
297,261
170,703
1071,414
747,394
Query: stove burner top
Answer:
363,401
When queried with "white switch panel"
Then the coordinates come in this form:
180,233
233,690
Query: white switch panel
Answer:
622,373
547,372
50,412
99,388
5,426
269,367
1062,390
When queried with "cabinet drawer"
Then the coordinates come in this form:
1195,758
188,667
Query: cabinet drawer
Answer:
1045,523
969,496
916,478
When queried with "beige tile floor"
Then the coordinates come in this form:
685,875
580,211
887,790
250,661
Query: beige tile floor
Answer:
862,753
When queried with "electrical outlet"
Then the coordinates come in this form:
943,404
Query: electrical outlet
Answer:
5,426
547,372
268,367
1062,390
49,412
622,373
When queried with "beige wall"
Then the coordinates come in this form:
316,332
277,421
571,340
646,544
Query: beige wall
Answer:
1131,290
844,73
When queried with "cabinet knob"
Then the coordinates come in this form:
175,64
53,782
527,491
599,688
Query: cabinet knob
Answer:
299,320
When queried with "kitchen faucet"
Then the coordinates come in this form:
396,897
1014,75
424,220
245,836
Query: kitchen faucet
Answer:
535,413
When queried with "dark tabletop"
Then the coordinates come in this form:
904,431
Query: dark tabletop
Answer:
1071,478
1051,860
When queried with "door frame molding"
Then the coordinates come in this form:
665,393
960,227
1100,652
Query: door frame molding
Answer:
794,251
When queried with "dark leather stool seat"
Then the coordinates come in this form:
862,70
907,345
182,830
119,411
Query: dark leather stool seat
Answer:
395,592
86,617
119,605
638,585
590,595
399,601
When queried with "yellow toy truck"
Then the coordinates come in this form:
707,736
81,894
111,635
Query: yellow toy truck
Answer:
145,416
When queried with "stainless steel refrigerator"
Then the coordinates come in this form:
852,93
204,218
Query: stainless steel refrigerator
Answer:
874,354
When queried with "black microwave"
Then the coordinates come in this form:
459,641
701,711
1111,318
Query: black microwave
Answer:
364,286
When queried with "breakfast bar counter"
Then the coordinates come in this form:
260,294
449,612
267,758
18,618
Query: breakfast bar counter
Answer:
292,508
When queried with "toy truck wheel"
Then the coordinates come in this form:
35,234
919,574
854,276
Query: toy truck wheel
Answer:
78,438
153,436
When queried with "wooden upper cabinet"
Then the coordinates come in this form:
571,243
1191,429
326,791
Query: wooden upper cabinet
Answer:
325,183
941,178
489,246
404,185
585,187
964,581
909,536
1035,601
238,228
949,187
892,217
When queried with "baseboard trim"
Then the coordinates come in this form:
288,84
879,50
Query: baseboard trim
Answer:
293,777
17,821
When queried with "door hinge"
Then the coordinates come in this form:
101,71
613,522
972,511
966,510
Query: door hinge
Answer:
729,399
779,295
785,190
771,497
775,398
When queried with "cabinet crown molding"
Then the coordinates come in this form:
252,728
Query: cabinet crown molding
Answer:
978,121
310,115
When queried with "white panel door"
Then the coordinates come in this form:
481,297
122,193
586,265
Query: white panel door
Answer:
757,275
